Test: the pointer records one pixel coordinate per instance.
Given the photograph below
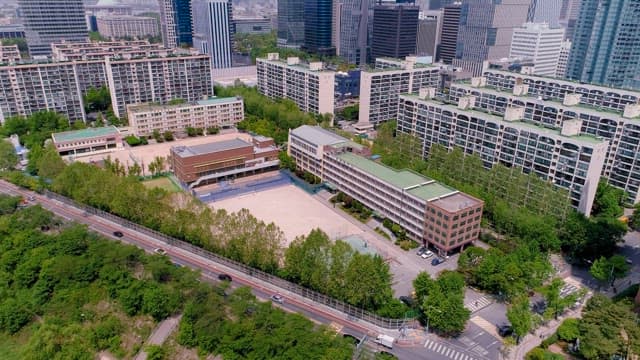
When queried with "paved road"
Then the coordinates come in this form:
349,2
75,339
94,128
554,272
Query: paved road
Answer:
160,334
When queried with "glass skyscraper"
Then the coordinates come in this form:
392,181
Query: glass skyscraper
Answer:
317,26
177,24
354,29
213,30
49,21
606,44
291,23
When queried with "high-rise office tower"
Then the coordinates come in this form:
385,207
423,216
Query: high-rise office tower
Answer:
606,44
213,30
395,31
49,21
353,30
429,30
449,35
485,31
568,15
434,4
318,26
290,23
176,21
540,44
545,11
563,59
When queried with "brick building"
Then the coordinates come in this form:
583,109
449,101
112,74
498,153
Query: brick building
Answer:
223,160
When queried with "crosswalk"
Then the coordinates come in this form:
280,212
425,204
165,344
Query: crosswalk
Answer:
567,290
478,304
486,326
446,351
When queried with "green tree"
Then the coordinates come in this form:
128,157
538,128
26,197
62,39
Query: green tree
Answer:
155,352
213,130
608,201
569,330
520,317
8,156
442,302
50,164
556,304
97,99
608,270
168,136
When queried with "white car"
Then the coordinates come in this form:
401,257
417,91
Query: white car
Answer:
277,298
427,255
160,251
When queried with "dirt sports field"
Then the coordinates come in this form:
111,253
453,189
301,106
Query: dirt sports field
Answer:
293,210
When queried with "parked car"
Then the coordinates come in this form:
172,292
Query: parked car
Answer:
628,261
277,298
224,277
427,254
118,234
437,261
160,251
505,330
422,250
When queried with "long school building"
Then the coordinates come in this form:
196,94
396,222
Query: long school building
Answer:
430,212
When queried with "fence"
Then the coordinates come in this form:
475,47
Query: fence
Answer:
228,191
352,312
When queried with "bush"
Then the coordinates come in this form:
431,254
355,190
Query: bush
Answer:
568,330
213,130
549,341
133,140
168,136
542,354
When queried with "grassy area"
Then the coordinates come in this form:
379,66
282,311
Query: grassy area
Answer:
10,347
162,183
383,233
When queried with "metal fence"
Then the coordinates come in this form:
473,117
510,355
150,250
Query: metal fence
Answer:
350,311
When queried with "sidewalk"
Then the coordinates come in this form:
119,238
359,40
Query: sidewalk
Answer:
159,334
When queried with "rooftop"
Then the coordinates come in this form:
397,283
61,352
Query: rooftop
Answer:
587,139
155,106
317,135
417,185
218,100
456,202
187,151
87,133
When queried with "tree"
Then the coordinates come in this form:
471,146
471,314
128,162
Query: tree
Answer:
608,201
213,130
520,317
50,164
168,136
157,166
97,99
8,156
134,170
155,352
569,330
191,132
555,302
605,270
442,301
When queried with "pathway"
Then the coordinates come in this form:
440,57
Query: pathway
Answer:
160,334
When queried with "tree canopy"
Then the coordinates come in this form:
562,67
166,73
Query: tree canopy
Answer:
35,129
441,302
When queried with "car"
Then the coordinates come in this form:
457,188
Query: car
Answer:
32,198
426,254
277,298
421,250
224,277
628,261
118,234
436,261
505,330
160,251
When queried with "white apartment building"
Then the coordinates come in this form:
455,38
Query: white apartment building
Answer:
144,119
26,88
539,43
563,59
9,54
380,87
564,156
610,113
77,51
430,212
121,26
308,85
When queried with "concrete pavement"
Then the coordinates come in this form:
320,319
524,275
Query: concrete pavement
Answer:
160,334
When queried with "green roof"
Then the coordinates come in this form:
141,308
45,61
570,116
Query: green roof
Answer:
432,191
415,184
217,100
87,133
402,179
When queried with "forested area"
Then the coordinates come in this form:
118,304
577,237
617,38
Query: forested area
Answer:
65,293
270,118
608,328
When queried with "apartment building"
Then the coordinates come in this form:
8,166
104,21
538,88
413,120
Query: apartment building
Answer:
77,51
380,87
308,85
223,160
121,26
87,141
609,113
505,134
27,88
431,213
9,54
144,119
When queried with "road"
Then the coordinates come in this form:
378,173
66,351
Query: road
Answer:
415,346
